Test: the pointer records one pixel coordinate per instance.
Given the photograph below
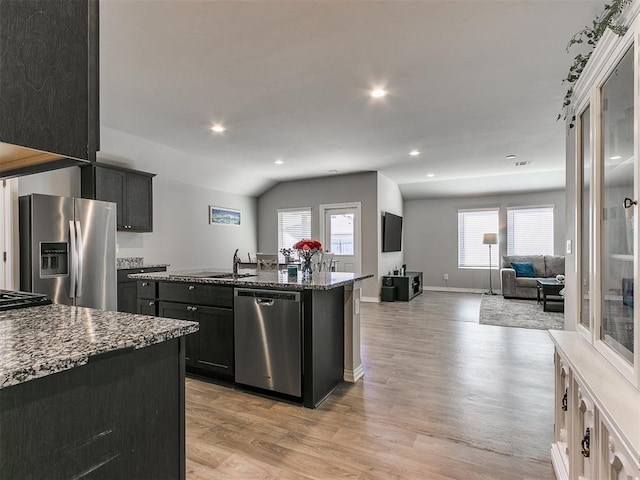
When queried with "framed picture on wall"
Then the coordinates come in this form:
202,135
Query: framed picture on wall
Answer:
223,216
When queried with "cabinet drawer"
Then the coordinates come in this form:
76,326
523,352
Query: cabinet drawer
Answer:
147,289
196,293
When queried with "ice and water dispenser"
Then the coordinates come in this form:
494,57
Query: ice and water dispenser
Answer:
54,259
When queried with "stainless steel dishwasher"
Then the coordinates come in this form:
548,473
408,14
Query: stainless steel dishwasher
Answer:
268,340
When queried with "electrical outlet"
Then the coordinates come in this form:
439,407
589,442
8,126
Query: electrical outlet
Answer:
446,276
568,247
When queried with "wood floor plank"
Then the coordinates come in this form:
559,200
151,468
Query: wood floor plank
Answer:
442,398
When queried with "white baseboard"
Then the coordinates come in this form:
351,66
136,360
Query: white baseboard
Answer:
352,376
370,299
457,289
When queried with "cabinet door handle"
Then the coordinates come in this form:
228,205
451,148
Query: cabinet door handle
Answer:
145,284
192,287
586,440
141,271
193,309
151,304
189,308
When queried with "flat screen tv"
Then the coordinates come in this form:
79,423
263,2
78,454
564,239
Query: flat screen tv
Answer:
391,233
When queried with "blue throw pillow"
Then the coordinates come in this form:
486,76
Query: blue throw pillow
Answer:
523,269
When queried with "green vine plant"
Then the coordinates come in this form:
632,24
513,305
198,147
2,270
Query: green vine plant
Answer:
590,36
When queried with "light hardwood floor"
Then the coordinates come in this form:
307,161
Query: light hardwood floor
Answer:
442,398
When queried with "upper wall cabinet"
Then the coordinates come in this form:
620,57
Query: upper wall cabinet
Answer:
48,81
131,190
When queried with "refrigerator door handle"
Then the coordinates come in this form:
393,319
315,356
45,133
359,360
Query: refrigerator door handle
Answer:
80,261
74,260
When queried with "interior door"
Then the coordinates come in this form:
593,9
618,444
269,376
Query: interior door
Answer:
342,237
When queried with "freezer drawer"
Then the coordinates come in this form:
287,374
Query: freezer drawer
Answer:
268,340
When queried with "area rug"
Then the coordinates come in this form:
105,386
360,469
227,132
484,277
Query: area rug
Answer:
511,312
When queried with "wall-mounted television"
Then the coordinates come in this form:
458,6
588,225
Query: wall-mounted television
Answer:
391,233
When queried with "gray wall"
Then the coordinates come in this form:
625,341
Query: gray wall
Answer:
431,235
361,187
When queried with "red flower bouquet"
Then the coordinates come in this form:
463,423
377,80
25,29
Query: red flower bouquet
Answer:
307,245
306,249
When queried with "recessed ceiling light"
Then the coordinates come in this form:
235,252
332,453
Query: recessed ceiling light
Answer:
522,164
218,128
378,92
430,175
510,156
615,157
414,153
278,162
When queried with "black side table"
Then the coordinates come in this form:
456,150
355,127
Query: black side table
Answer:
549,292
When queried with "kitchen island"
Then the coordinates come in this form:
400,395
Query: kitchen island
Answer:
85,392
329,316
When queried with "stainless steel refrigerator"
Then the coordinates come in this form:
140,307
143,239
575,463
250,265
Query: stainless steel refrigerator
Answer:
68,250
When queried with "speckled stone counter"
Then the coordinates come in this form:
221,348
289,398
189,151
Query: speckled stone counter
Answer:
39,341
253,278
129,263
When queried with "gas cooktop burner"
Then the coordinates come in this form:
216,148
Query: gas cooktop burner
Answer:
10,299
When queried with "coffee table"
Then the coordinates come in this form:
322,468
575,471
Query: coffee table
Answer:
549,292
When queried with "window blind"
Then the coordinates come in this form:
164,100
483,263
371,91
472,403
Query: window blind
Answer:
293,226
530,230
472,225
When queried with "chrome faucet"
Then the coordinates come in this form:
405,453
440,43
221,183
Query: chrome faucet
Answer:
236,262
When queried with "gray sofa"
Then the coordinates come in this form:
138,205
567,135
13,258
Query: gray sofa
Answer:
544,266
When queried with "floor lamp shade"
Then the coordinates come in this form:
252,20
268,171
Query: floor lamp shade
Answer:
490,239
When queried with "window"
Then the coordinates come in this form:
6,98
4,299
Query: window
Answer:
530,231
293,225
342,233
472,225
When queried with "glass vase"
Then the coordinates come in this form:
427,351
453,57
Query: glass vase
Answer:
307,268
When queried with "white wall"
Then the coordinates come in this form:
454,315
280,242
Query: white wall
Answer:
182,235
431,235
64,182
389,200
571,268
314,192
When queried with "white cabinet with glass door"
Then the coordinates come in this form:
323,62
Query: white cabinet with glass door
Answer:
599,412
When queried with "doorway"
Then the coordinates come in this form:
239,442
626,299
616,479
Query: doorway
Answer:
340,233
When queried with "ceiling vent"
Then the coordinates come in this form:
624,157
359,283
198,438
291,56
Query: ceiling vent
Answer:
521,164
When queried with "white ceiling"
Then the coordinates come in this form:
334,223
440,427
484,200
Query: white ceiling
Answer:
469,82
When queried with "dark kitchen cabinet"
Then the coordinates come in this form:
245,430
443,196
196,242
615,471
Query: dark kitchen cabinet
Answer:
131,190
49,76
210,350
129,290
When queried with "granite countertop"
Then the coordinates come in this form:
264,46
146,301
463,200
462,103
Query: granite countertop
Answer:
128,263
39,341
264,279
146,265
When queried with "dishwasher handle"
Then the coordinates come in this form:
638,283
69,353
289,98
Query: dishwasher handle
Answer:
265,302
